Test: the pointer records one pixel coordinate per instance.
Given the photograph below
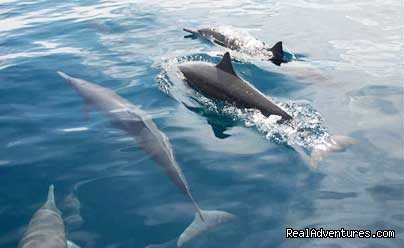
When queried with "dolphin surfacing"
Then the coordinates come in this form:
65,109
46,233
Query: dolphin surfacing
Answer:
155,143
46,228
222,83
274,53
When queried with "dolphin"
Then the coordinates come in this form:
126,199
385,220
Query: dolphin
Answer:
274,53
46,228
155,143
333,143
222,83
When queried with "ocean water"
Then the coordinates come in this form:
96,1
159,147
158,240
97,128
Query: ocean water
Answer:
346,78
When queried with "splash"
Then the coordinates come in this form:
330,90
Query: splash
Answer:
244,40
306,129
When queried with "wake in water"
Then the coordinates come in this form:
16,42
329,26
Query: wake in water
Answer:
306,132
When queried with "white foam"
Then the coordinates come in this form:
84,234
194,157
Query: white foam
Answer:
305,129
245,42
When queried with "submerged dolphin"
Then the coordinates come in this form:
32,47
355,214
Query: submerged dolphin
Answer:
274,54
46,228
221,82
138,124
334,143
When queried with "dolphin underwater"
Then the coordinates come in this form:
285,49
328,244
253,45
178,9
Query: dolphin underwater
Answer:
155,143
274,53
221,82
46,228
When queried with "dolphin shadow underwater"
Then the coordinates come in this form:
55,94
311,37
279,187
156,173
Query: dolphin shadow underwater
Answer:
135,122
46,228
220,123
221,82
275,54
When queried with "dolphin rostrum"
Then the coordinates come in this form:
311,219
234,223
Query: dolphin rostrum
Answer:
138,124
222,83
46,228
274,54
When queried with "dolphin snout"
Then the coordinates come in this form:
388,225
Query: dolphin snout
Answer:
74,82
66,77
63,75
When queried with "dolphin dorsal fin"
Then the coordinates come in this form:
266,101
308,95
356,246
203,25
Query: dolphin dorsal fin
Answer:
277,52
277,48
226,65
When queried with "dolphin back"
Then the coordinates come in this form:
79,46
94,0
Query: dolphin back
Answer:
46,228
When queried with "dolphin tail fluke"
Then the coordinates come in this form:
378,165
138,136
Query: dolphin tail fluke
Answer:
211,219
197,208
277,53
335,143
70,244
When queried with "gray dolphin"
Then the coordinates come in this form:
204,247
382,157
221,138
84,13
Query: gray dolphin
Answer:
46,228
221,82
138,124
274,54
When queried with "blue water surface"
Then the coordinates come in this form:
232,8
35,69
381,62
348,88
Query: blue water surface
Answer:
110,192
